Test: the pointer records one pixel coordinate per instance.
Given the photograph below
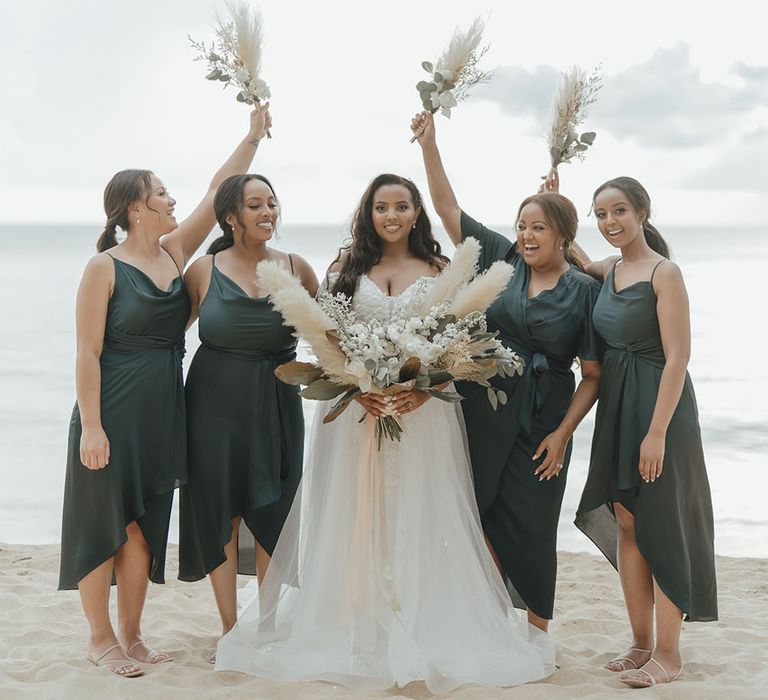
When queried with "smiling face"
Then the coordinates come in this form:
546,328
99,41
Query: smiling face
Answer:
618,221
538,241
258,215
393,213
155,210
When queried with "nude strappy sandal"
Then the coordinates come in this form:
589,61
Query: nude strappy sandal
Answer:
623,659
640,678
120,667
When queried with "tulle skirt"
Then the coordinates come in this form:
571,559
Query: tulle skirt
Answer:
381,575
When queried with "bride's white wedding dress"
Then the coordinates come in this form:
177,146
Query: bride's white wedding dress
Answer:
381,575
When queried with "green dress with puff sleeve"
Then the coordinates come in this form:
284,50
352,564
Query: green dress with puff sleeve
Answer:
520,513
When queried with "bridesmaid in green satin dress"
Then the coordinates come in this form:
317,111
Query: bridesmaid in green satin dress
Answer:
245,427
646,502
127,441
544,315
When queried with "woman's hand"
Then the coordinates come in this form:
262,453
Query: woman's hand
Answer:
408,401
651,457
423,127
261,121
551,182
94,448
376,404
554,445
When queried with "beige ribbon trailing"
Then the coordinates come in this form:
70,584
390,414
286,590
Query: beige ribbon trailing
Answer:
370,543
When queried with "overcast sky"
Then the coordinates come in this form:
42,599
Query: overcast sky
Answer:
92,87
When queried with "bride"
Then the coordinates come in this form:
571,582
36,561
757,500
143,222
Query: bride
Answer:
381,575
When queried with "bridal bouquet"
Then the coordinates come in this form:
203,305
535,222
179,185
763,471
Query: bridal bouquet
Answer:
575,93
234,58
440,335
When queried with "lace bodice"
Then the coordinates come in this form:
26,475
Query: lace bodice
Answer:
371,303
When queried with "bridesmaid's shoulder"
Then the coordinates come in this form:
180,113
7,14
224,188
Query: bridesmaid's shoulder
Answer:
199,267
584,281
667,274
100,265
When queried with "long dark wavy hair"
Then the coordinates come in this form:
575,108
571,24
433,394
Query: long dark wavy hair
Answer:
561,214
125,188
364,249
229,200
641,202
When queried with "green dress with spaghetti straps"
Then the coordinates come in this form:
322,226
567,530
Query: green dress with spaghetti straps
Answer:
520,513
142,412
245,430
673,515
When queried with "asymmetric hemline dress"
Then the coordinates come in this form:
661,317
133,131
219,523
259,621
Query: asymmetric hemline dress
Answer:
142,412
674,526
520,514
245,430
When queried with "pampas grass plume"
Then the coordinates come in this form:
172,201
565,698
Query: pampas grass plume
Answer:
482,291
462,268
302,312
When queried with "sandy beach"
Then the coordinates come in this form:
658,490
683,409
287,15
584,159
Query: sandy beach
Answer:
43,636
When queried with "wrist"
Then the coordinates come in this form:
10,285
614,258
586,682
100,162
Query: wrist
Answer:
656,432
253,139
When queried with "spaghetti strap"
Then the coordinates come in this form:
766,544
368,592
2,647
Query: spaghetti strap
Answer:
181,274
654,270
290,260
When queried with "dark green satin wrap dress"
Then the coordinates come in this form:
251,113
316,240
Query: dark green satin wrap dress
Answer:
674,526
245,430
142,412
520,513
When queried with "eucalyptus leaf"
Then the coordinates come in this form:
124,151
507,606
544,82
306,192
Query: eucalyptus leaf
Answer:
427,66
423,85
447,396
341,405
215,74
588,137
224,78
297,373
492,398
323,390
439,376
501,396
581,147
369,365
240,97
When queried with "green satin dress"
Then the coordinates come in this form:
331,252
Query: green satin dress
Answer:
245,430
674,525
520,513
142,412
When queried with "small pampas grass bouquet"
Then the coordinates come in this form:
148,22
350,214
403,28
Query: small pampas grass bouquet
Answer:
456,72
575,93
234,57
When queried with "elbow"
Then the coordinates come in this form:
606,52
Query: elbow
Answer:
88,354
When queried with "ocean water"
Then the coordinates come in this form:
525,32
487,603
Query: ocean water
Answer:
723,269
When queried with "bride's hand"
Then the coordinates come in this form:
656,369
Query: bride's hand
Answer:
375,404
408,401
